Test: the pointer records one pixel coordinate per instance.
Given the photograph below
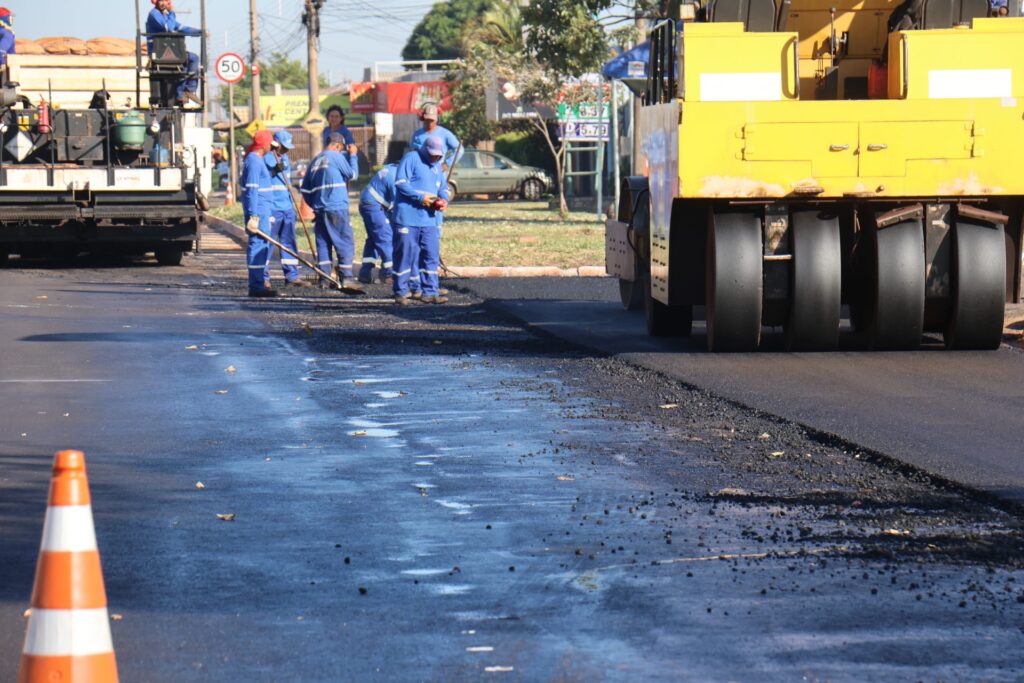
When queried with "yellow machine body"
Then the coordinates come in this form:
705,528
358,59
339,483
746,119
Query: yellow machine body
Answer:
953,124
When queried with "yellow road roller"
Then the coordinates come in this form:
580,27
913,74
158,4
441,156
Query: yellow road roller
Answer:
803,155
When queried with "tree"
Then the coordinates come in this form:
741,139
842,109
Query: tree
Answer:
290,73
539,47
439,33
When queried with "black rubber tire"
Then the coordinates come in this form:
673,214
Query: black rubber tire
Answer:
632,294
816,283
169,256
531,190
666,321
453,190
4,258
978,281
898,288
734,282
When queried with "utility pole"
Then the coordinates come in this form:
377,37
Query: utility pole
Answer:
311,18
254,52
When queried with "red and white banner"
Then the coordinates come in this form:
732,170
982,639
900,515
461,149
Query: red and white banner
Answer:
398,98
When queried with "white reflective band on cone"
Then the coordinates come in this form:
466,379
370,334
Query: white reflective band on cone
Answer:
69,529
68,632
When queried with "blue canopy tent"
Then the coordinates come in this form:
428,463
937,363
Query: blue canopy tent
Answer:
618,68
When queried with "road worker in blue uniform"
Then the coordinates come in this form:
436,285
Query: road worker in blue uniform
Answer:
162,19
325,188
257,207
421,193
282,220
336,124
430,115
8,45
431,128
375,206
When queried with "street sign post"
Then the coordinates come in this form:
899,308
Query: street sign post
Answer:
230,68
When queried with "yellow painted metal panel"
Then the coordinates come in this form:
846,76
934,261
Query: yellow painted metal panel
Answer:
886,147
714,53
829,148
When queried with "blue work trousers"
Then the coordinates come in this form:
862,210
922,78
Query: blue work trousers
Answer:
378,240
332,229
257,254
419,247
282,229
191,81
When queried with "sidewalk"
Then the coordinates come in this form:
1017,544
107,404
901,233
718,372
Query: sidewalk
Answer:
227,229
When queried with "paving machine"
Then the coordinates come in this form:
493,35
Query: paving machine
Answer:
803,155
97,154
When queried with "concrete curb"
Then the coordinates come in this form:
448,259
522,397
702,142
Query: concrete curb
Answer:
228,229
237,233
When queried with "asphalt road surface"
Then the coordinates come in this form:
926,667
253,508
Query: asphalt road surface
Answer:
957,415
437,494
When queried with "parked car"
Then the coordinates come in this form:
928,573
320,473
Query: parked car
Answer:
480,172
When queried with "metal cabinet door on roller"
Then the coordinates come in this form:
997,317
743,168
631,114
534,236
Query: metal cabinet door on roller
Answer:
803,157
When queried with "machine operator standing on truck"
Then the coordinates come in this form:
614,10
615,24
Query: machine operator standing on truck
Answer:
257,206
162,19
7,42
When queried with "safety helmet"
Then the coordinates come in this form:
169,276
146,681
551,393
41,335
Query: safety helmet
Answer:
284,138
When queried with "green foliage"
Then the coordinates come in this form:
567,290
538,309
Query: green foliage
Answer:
526,147
439,33
566,38
292,74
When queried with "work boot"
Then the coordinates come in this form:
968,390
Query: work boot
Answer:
267,284
366,275
351,286
402,300
191,96
416,295
297,284
386,278
438,299
441,291
263,293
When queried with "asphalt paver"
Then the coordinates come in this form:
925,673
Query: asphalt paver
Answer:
434,493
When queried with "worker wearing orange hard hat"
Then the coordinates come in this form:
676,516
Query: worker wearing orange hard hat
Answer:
8,46
257,206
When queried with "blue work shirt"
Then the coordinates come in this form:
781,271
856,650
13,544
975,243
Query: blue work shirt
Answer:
345,133
256,187
158,22
281,195
325,186
451,143
416,178
7,44
381,189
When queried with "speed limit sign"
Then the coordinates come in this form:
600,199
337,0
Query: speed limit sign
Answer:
230,68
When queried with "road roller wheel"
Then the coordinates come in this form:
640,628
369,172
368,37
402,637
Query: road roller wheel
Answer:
734,282
666,321
631,294
978,287
898,285
817,283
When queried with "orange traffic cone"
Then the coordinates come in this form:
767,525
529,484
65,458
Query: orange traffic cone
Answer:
229,196
68,637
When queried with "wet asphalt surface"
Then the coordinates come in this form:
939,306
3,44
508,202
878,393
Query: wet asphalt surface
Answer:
434,493
954,414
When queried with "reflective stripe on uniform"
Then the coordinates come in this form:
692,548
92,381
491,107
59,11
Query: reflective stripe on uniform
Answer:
369,259
376,195
289,261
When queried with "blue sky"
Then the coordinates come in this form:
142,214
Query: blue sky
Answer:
355,33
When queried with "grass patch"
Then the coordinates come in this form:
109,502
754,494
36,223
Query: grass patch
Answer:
499,233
